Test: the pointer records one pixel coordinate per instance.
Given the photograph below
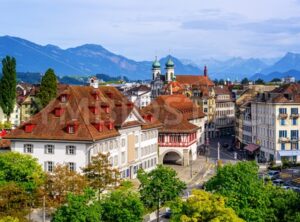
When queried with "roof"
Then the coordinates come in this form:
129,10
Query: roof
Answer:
4,144
175,86
289,93
222,90
194,80
140,88
174,112
77,109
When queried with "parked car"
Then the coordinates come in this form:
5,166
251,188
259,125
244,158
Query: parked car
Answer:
278,182
167,214
273,174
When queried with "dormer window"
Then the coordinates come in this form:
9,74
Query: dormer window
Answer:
94,109
64,98
109,124
148,117
99,125
72,127
95,95
130,105
29,127
105,107
58,111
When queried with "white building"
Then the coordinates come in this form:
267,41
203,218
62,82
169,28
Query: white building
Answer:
183,128
85,120
139,95
15,116
275,123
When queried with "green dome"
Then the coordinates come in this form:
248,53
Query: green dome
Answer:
170,63
156,64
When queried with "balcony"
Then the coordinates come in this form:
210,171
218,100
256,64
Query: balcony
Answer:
294,140
294,116
283,115
284,140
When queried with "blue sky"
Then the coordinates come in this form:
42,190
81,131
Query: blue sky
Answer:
140,29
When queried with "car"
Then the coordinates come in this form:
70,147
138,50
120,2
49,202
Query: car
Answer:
273,174
278,182
167,214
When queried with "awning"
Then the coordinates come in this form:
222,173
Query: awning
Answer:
289,152
251,147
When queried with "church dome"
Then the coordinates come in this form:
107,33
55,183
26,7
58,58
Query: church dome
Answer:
156,64
170,63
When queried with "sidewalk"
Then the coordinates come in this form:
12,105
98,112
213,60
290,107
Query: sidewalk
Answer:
194,173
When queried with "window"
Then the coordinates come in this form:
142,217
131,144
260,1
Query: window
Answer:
70,150
116,161
49,166
72,166
295,146
282,122
294,110
283,146
294,122
123,157
123,142
28,148
136,139
71,129
49,149
294,134
282,133
205,110
282,110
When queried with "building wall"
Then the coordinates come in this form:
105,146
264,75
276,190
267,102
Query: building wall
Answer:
59,156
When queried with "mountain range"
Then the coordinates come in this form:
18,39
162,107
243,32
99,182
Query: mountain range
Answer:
90,59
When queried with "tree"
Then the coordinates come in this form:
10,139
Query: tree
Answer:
245,81
276,80
24,170
14,201
8,84
79,208
216,82
9,219
122,206
202,206
221,82
48,88
260,82
61,182
249,197
101,174
159,186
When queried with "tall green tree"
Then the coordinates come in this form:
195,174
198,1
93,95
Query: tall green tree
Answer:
260,81
159,186
202,206
245,81
8,85
79,208
122,206
48,88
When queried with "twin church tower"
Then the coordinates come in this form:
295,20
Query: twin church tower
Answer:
156,71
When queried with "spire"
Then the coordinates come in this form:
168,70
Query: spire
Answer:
205,71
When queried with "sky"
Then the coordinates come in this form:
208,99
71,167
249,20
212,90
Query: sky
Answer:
143,29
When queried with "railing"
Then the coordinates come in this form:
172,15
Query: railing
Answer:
294,139
294,116
283,115
284,140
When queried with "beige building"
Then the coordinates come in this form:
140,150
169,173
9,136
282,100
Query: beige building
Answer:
275,123
225,111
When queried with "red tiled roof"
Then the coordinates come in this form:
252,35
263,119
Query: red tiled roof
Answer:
194,80
80,98
174,112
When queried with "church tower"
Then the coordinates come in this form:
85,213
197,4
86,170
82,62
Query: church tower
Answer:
169,70
205,71
155,69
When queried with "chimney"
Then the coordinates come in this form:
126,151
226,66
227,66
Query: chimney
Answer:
94,82
205,71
